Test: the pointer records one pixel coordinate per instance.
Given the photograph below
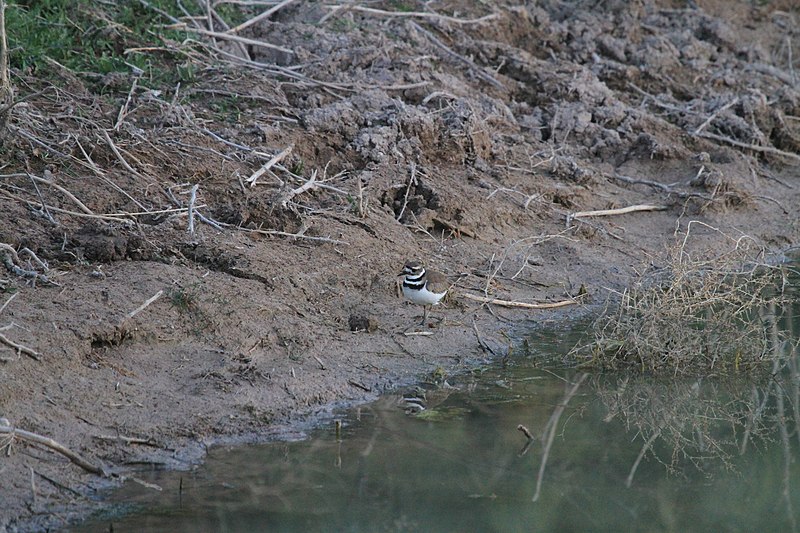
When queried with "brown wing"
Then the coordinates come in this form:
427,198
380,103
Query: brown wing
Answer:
436,281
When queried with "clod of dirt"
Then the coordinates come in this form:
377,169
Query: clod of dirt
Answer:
101,243
362,323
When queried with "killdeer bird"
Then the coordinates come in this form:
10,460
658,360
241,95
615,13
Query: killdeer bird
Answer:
423,287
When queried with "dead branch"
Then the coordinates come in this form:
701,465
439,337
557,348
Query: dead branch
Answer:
258,18
524,305
128,440
229,37
268,165
294,235
666,188
715,114
123,110
10,260
479,71
410,14
749,146
412,181
142,307
33,354
308,185
618,211
5,304
53,445
102,175
6,91
192,200
112,217
63,191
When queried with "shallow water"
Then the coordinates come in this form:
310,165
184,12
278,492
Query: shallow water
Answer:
610,453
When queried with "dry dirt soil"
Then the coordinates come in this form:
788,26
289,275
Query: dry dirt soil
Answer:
468,142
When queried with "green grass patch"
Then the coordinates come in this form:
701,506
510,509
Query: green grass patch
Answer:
93,39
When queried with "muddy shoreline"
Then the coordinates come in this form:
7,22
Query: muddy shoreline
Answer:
533,154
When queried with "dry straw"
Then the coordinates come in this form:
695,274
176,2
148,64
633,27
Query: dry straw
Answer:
701,313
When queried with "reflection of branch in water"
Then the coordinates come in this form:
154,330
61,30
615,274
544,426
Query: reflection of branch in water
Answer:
787,459
639,458
549,432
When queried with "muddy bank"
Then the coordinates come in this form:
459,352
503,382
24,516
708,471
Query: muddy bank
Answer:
313,175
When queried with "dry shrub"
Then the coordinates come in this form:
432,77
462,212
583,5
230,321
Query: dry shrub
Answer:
695,315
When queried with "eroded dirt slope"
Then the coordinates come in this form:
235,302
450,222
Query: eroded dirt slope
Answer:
467,145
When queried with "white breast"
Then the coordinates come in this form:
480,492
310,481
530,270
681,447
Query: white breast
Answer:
422,297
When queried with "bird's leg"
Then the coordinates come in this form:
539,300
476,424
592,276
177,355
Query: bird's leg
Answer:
424,314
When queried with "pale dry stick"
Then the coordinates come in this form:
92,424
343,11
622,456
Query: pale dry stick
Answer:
308,185
128,440
438,94
481,73
277,70
248,3
41,199
33,354
258,18
6,91
144,306
412,180
114,218
53,445
550,431
225,26
647,445
229,37
319,183
295,235
124,108
656,185
528,197
102,175
119,157
618,211
715,114
36,259
269,164
5,304
522,305
749,146
64,191
192,200
412,14
32,138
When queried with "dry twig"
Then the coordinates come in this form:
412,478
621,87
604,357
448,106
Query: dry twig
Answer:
142,307
479,71
618,211
524,305
268,165
263,16
409,14
53,445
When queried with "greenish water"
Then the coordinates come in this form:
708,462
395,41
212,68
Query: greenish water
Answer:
611,453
